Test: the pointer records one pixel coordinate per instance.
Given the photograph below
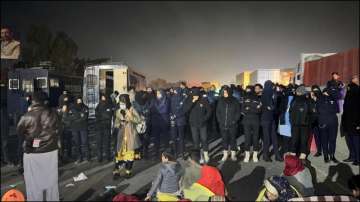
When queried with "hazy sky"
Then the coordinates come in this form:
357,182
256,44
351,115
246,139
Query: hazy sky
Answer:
200,41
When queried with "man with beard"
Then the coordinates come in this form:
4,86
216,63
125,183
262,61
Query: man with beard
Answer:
103,113
228,115
79,129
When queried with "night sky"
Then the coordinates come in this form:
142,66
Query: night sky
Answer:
195,41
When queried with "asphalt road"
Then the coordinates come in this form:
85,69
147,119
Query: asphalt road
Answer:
243,180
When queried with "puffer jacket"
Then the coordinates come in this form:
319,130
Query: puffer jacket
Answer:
41,123
80,114
228,112
251,108
168,178
199,112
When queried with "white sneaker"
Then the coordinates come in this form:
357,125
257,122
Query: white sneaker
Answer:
201,159
255,157
233,156
206,156
247,156
225,156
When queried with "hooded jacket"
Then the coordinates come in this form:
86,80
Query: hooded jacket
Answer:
199,112
167,179
351,117
327,107
268,100
300,110
41,123
251,107
228,111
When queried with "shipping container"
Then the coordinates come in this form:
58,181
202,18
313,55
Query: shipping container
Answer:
319,71
262,75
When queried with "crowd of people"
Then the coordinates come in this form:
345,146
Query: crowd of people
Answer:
154,123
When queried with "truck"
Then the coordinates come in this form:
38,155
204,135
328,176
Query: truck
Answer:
107,78
306,57
319,71
262,75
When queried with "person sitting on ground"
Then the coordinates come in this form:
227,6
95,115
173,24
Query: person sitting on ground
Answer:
354,186
167,182
277,188
298,175
209,184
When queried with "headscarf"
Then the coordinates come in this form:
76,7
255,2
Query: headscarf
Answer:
293,165
280,187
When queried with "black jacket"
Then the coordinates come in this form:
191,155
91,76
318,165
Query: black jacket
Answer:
80,114
228,112
327,108
199,112
41,123
300,110
351,116
103,113
251,108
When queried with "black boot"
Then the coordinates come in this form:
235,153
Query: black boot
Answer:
326,158
318,154
333,159
348,160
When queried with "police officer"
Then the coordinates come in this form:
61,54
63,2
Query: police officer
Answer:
251,109
328,122
104,113
66,141
177,122
79,128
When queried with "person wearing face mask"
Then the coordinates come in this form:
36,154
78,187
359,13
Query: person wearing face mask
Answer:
328,122
79,128
315,94
268,100
251,109
128,139
103,114
300,110
228,115
160,121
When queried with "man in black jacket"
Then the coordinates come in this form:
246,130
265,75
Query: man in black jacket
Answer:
103,113
199,113
228,115
41,128
251,110
351,120
79,129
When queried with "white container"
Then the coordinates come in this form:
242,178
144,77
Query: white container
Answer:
262,75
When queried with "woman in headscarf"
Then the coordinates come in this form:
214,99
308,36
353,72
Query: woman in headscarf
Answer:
277,188
298,175
128,139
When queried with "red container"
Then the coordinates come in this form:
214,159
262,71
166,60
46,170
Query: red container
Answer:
319,71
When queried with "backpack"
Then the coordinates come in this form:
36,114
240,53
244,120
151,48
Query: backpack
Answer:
299,114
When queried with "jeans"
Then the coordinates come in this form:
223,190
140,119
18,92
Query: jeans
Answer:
81,143
269,135
103,143
299,139
328,134
251,131
229,138
200,134
177,137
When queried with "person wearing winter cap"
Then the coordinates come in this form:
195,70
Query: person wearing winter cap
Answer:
299,119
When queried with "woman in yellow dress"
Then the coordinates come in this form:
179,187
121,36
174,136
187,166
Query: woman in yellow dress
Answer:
128,141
